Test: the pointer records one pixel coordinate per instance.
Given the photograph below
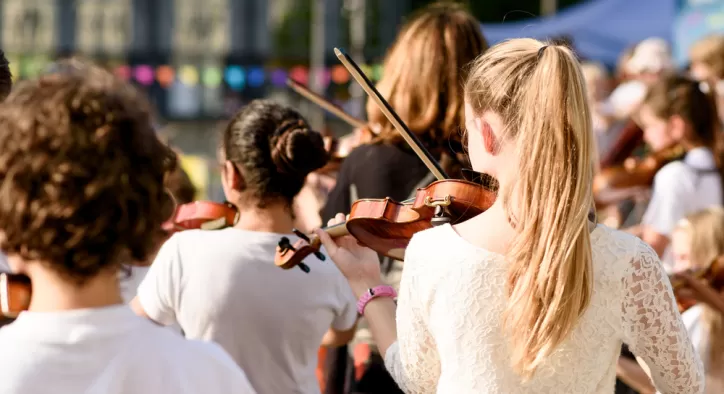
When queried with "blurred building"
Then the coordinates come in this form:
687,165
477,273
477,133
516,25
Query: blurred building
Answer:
199,60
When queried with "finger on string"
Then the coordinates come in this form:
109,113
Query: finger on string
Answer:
327,241
340,218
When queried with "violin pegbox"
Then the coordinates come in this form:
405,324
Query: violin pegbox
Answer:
289,256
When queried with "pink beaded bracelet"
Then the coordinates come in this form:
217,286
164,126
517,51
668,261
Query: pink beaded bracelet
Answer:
372,293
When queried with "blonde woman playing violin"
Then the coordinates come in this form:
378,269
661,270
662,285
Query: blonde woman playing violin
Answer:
423,74
529,296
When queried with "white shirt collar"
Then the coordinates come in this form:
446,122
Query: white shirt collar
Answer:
700,158
75,326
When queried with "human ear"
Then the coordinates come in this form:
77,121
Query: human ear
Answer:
677,127
486,133
232,177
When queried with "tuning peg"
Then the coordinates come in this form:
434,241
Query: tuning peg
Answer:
304,267
301,235
285,245
320,255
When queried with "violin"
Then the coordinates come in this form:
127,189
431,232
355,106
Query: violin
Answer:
713,274
612,184
15,291
630,138
385,225
205,215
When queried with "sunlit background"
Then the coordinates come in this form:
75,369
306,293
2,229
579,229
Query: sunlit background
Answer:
199,60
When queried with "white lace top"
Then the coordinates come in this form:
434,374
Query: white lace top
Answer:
450,337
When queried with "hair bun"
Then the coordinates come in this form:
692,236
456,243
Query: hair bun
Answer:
298,150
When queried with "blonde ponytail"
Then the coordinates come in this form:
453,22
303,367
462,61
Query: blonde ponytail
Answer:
539,92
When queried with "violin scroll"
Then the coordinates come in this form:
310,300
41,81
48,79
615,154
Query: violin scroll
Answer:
289,256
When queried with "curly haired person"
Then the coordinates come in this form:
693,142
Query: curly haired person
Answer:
81,192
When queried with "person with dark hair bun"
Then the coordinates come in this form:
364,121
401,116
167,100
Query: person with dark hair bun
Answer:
223,285
81,193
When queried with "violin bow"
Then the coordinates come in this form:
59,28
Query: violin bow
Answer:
391,115
326,104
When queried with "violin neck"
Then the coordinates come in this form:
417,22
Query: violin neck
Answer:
336,231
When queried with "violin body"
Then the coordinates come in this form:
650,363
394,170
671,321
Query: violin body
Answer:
630,138
386,226
15,291
206,215
632,174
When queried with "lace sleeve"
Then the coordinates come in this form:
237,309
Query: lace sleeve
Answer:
412,360
653,328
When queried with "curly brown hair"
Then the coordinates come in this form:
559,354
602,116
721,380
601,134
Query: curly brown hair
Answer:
81,173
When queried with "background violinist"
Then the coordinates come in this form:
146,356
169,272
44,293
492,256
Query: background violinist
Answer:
676,111
707,65
424,70
223,286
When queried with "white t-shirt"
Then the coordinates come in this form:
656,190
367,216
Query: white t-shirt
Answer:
681,188
109,351
129,288
130,280
223,286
